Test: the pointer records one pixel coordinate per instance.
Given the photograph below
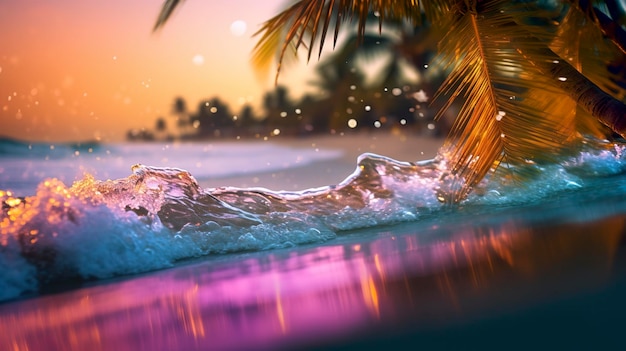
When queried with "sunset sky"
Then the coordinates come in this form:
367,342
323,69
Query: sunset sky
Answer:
73,70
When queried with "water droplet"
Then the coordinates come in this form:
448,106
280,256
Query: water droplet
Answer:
283,114
396,91
403,121
562,79
500,115
377,124
368,108
420,96
238,28
198,60
352,123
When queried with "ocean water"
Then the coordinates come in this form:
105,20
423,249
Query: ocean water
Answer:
85,212
23,166
260,262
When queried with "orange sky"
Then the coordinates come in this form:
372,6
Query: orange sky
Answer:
84,70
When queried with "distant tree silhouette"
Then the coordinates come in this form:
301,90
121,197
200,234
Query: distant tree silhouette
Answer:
140,135
160,125
213,119
315,114
160,129
181,113
280,111
247,123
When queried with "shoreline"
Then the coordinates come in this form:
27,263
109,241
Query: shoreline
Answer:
400,147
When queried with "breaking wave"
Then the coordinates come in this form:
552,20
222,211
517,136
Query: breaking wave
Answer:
156,216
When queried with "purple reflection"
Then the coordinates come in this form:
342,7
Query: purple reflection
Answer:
314,295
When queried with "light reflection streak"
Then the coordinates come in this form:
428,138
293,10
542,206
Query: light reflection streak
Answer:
410,277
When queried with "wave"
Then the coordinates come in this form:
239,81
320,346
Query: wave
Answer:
157,216
13,148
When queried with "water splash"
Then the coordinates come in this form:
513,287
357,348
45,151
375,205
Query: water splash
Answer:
158,216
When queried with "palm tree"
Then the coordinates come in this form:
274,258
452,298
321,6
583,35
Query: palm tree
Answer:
349,82
280,111
180,112
213,119
521,68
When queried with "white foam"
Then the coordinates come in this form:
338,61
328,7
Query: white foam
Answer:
98,229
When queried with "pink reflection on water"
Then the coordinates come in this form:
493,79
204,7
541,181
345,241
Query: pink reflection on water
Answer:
284,298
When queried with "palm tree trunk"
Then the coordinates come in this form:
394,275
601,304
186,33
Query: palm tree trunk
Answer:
609,27
608,110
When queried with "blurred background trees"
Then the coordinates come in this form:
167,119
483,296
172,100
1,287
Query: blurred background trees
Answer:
381,81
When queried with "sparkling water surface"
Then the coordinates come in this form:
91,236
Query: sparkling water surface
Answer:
377,260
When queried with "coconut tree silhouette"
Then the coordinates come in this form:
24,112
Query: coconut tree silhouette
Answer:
181,114
357,78
533,76
213,119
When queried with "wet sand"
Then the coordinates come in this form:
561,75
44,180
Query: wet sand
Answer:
329,172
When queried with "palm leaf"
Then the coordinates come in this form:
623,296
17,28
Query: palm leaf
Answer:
307,22
509,111
607,16
166,12
581,43
512,110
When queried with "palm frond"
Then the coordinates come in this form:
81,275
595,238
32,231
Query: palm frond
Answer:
607,16
582,44
509,112
308,22
166,12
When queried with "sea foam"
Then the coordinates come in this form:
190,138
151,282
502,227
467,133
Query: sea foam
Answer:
158,216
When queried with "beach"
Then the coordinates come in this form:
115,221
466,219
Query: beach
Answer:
401,147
